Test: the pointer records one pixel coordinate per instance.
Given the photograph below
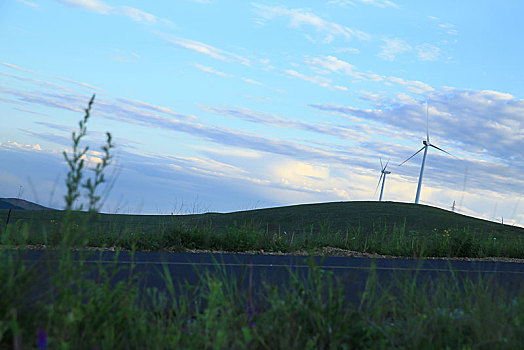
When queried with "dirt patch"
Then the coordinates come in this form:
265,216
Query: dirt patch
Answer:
325,251
338,252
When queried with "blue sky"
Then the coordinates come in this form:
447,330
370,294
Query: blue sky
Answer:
231,105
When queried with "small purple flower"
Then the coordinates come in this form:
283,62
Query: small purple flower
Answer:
251,312
41,339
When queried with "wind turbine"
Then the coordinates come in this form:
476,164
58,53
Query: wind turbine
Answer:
426,144
383,174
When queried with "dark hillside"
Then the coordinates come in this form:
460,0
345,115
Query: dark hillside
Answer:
6,205
336,216
20,204
339,216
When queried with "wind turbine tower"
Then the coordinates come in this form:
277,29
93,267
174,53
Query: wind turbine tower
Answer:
382,178
426,144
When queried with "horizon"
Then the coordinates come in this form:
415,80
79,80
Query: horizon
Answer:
225,106
186,212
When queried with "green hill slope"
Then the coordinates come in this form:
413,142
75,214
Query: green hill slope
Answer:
20,204
335,216
366,216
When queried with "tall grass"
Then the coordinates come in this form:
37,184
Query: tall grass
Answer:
309,311
248,236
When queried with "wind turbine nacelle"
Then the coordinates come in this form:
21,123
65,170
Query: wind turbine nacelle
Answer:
386,172
426,143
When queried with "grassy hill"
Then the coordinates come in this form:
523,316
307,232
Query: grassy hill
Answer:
340,216
20,204
333,217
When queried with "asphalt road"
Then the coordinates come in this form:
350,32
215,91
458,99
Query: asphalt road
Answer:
260,270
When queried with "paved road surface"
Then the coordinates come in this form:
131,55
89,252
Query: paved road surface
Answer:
274,269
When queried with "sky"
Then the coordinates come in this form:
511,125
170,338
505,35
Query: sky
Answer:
221,106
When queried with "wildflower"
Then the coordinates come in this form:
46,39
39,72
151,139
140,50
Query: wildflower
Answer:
251,312
41,339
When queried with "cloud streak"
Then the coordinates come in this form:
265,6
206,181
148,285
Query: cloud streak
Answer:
300,17
204,49
377,3
392,48
354,133
88,5
487,123
210,70
28,3
317,80
102,8
69,81
139,113
333,64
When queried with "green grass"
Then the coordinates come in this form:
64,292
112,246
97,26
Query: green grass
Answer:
337,216
308,312
417,231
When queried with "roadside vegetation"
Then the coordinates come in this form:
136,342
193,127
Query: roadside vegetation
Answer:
308,312
171,235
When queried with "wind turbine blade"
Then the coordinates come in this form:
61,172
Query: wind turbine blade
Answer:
386,164
380,179
413,155
440,149
381,166
427,122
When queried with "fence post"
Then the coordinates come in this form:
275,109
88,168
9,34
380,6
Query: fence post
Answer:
8,216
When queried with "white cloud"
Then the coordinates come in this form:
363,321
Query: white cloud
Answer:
393,48
138,15
32,112
333,64
28,3
355,133
121,56
427,52
255,82
16,145
251,81
348,50
89,5
46,83
101,7
297,174
205,49
231,152
377,3
300,17
448,27
487,124
336,65
317,80
146,115
417,87
210,70
370,96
